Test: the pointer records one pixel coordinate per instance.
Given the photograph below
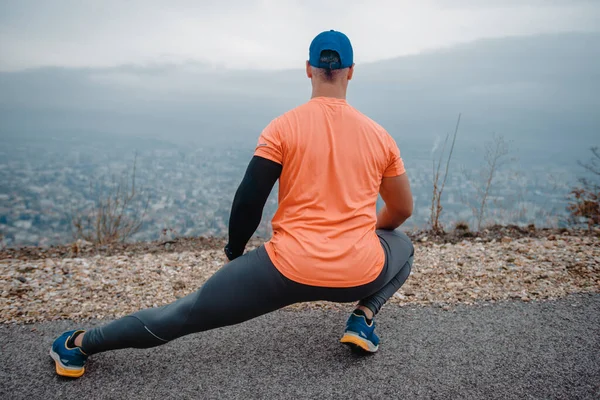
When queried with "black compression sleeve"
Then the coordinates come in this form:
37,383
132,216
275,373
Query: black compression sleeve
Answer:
249,202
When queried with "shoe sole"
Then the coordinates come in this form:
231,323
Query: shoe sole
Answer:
358,343
63,370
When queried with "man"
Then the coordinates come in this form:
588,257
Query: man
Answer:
328,241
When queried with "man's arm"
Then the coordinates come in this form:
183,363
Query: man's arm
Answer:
396,194
248,203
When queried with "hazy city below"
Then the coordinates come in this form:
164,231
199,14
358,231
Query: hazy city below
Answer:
194,128
45,181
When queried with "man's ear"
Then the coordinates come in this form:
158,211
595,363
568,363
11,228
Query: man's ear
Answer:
350,72
309,72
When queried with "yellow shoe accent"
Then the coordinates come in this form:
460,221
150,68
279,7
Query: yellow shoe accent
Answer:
357,341
70,373
63,371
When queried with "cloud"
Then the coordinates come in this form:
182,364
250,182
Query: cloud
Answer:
259,34
471,4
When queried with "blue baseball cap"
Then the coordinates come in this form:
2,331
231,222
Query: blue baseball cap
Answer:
335,41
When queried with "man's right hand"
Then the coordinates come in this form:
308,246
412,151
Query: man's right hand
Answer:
396,194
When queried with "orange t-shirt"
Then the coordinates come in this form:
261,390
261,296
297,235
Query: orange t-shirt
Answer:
333,159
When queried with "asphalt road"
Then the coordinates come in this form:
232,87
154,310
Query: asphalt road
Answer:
513,350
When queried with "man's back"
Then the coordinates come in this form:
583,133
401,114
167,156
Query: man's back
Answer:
333,161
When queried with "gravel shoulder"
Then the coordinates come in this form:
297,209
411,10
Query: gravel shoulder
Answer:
95,286
507,350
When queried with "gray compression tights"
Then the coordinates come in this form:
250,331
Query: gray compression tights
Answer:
243,289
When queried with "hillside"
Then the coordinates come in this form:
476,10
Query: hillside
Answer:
532,89
194,128
82,282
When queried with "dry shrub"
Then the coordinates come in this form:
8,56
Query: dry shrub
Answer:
584,204
114,216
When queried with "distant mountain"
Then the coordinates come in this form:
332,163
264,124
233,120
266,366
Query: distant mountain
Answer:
543,92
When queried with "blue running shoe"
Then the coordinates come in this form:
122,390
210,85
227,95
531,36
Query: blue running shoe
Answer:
69,361
359,335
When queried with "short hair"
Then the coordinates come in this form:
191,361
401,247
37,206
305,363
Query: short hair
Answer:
330,57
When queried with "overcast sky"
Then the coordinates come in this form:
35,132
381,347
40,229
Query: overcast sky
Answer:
261,34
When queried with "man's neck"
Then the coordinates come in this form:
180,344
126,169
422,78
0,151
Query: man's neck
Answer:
332,91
